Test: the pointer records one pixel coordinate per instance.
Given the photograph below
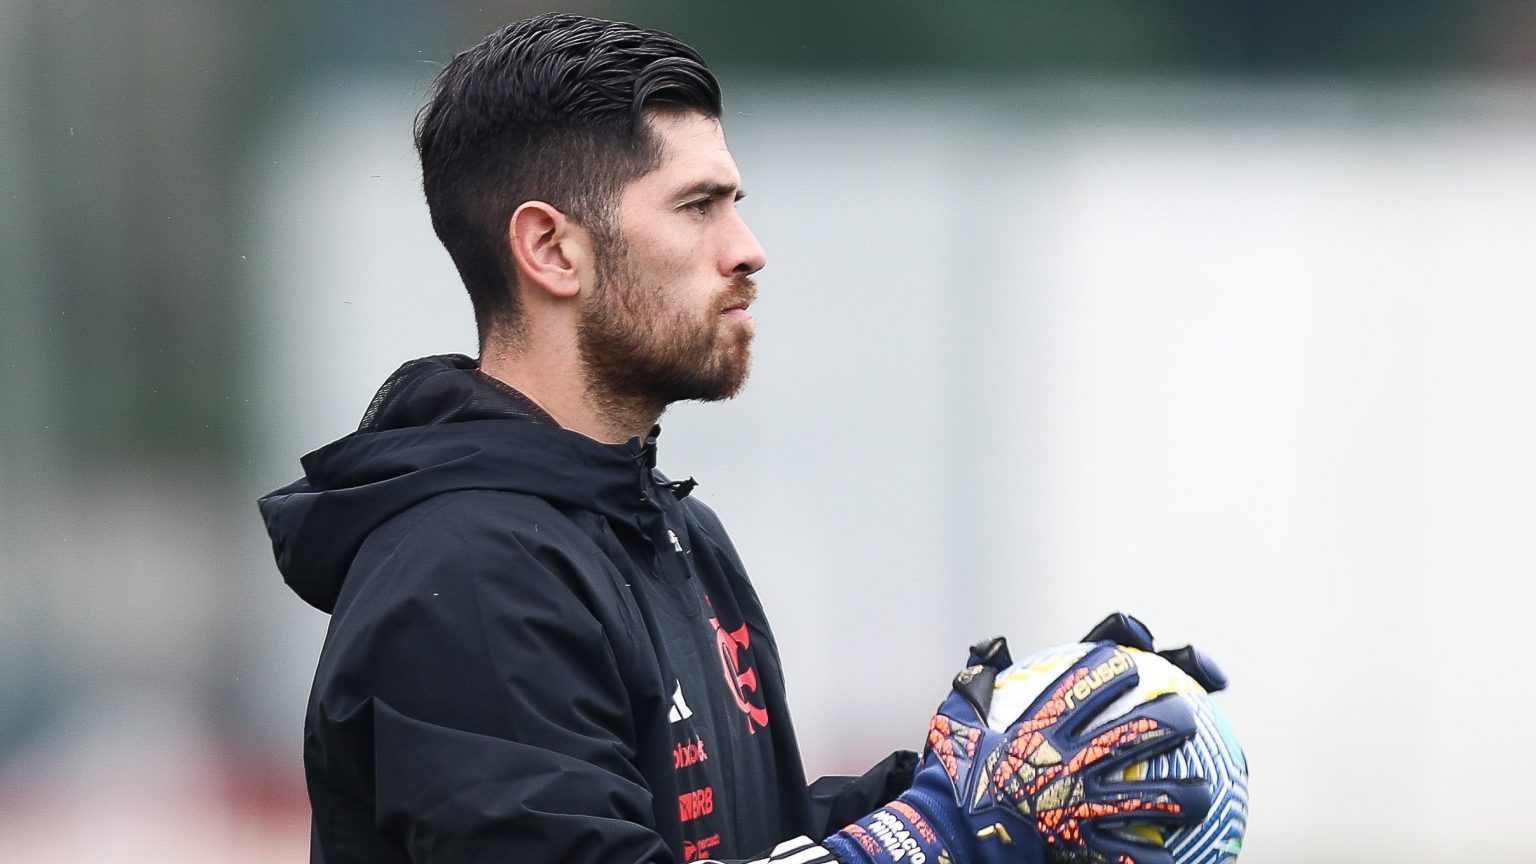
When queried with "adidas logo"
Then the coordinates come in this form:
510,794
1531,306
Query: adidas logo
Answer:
680,710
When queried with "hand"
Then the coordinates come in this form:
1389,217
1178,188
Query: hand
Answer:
1127,630
1043,790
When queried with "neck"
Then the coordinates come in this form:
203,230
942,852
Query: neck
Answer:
557,382
624,417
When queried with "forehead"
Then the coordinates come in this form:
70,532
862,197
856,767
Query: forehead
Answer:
692,150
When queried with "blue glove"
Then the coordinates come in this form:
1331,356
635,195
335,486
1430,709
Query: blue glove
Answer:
1044,790
1127,630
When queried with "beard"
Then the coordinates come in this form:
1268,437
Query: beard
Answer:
638,350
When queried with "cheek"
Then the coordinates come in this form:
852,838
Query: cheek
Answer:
680,261
688,276
660,253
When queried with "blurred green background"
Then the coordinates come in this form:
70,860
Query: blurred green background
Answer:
152,667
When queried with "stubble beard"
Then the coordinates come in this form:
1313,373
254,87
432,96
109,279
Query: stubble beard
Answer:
639,355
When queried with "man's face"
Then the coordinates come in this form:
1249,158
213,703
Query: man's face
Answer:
667,318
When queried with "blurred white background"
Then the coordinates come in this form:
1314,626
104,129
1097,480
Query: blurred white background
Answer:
1253,363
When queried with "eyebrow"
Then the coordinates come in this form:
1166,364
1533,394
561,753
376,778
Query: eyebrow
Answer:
713,189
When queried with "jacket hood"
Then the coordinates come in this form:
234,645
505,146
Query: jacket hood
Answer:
439,425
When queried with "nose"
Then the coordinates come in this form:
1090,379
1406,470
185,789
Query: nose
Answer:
745,255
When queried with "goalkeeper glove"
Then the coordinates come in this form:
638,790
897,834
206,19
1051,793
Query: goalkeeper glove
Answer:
1043,790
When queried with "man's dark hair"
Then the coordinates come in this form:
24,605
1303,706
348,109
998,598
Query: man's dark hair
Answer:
547,109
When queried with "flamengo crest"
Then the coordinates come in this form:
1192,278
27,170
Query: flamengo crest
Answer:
742,682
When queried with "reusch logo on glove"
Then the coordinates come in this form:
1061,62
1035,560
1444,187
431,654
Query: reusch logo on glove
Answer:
1100,675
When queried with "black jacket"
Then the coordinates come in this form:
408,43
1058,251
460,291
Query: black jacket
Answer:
539,650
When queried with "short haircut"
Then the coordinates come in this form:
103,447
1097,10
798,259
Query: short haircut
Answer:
549,109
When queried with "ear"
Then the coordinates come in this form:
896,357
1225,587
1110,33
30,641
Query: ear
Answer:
552,252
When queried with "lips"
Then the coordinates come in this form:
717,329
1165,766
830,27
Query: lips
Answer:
740,298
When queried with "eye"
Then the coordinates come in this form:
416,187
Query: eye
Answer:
699,206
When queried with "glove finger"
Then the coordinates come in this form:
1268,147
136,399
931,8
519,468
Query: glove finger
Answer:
970,697
1147,730
991,652
1122,629
1124,847
973,685
1168,801
1197,665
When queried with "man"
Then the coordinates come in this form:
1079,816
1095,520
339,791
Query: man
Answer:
540,648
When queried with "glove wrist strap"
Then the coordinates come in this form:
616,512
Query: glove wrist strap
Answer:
920,828
898,832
